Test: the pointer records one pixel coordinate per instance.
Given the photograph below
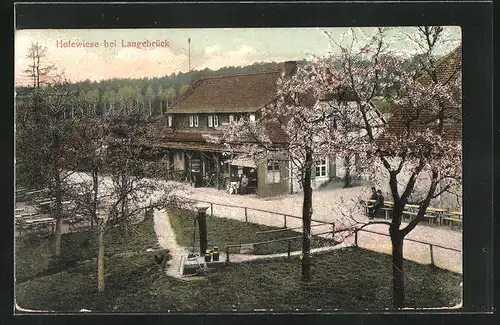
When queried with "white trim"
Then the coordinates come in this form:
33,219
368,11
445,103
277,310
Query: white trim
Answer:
210,122
216,121
169,120
196,120
191,120
322,168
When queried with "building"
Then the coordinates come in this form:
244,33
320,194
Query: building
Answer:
402,120
214,101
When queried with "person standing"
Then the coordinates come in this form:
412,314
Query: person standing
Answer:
244,184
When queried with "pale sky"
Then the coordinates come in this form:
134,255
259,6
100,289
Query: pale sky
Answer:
210,48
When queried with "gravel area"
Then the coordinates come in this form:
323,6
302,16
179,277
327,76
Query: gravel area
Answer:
339,206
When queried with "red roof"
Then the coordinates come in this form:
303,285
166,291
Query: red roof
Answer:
242,92
404,119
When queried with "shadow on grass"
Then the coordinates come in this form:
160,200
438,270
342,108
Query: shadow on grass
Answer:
346,279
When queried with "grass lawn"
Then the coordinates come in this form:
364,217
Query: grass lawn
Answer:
349,279
222,232
35,256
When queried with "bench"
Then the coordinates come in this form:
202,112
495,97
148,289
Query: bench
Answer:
432,218
453,221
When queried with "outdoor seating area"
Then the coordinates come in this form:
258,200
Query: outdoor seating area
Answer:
435,216
33,213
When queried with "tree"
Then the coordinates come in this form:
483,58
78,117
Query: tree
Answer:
114,146
92,98
166,95
419,150
300,127
149,96
183,88
109,100
44,138
38,71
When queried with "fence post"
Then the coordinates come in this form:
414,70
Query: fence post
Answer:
356,237
432,255
285,220
211,209
289,247
246,215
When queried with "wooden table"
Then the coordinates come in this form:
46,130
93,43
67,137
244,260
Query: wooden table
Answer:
34,223
439,214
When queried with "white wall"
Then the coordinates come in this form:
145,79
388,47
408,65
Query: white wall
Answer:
179,160
446,200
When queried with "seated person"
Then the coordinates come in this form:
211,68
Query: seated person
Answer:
379,204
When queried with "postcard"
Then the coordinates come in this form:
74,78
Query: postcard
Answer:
238,169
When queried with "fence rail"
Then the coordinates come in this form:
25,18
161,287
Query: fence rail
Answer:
245,210
431,245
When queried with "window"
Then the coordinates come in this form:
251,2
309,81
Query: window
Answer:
252,117
193,120
321,168
169,120
213,121
273,172
231,118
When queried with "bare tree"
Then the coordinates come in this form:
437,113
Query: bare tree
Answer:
38,71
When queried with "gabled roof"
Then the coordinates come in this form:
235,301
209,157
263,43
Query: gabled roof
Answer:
242,92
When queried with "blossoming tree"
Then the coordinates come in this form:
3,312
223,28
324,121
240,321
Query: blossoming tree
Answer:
309,120
419,149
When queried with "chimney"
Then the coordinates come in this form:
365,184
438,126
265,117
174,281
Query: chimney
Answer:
289,68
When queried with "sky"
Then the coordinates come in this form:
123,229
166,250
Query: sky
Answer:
209,48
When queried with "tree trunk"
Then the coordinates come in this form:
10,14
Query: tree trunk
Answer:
306,220
96,192
100,258
398,281
347,177
58,211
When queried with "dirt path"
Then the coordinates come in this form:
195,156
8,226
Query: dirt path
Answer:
331,206
166,239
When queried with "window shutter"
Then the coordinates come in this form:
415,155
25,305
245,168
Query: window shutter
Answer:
191,120
210,124
196,120
216,121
